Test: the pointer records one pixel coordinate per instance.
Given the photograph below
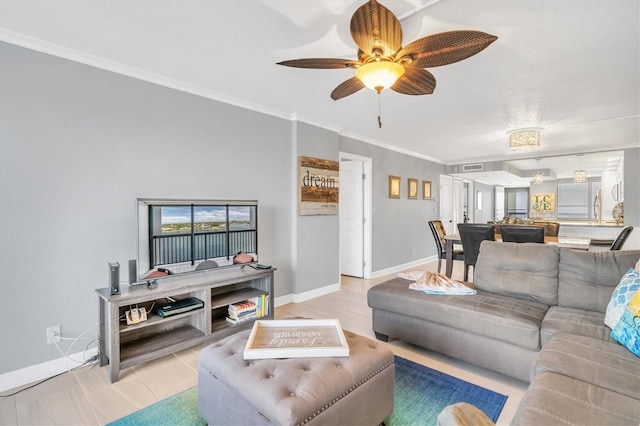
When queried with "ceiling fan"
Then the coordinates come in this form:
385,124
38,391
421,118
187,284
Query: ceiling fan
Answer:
382,61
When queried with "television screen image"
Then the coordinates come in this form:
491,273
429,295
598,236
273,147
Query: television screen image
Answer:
182,236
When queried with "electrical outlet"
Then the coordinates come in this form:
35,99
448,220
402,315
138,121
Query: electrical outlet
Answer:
51,337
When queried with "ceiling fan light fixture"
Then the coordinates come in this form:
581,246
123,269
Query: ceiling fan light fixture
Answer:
524,140
379,75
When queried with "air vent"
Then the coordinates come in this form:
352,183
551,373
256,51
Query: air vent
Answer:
472,167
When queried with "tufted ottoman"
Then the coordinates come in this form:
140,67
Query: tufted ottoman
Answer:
335,391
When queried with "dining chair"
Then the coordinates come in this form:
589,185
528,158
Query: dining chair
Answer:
522,234
437,228
621,238
471,235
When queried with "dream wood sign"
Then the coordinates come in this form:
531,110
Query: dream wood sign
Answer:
318,186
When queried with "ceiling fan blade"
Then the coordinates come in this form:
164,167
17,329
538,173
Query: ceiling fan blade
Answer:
321,63
347,88
375,28
443,48
415,81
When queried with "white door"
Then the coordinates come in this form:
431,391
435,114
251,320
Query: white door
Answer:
499,196
451,202
446,203
458,202
351,218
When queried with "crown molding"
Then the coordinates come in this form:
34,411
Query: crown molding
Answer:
54,49
74,55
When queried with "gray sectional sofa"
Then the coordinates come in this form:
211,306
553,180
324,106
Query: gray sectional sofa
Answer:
538,316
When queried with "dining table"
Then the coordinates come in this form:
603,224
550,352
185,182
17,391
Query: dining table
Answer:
568,242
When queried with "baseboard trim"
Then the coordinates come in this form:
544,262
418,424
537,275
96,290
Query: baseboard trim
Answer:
398,268
308,295
37,372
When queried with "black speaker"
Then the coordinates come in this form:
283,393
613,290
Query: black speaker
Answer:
133,271
114,278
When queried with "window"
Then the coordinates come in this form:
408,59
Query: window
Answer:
575,200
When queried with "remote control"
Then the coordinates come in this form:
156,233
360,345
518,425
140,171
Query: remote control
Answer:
261,266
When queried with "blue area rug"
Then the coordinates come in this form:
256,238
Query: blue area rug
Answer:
420,394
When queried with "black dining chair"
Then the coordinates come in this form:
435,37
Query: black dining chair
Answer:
471,235
437,228
522,234
622,237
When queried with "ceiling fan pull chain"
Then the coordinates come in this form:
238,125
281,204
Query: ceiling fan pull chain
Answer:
379,112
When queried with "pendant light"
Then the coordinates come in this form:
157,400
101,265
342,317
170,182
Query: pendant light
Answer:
538,178
580,175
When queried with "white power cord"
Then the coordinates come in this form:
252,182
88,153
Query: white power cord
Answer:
75,340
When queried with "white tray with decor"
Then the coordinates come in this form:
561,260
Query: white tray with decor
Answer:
296,338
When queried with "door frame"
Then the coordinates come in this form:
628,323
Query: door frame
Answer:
367,208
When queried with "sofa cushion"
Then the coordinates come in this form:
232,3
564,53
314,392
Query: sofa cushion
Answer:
621,296
591,360
579,321
555,399
587,279
516,321
627,332
523,270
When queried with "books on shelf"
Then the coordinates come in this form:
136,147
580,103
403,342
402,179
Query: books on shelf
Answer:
247,310
241,320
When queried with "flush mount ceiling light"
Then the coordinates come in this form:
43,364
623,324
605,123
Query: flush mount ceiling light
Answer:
524,140
538,178
580,175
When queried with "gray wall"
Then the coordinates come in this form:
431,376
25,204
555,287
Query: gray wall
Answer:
78,146
400,230
318,257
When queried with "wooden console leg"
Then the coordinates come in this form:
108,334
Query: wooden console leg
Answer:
381,337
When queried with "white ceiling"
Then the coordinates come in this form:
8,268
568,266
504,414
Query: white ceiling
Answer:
570,67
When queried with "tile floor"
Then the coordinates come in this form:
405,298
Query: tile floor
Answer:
87,398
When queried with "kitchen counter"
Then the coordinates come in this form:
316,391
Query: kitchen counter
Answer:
589,223
589,229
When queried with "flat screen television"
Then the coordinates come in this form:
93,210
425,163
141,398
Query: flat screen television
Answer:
183,236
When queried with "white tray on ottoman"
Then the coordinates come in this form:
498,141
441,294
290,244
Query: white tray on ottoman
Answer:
296,338
357,389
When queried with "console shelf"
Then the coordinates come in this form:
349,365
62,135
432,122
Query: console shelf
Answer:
123,346
154,319
226,299
151,346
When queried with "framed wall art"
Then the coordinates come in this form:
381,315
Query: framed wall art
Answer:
426,189
394,186
413,189
318,186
